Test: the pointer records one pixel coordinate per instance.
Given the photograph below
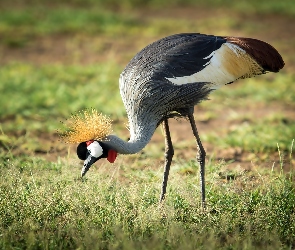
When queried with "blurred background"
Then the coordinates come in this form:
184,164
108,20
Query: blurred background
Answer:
58,57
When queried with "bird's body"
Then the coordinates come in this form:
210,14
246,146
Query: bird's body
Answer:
170,76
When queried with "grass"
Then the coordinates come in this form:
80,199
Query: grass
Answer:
252,6
256,137
270,88
20,26
60,57
48,206
50,89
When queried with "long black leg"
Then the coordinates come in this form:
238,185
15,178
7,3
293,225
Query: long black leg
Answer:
169,152
200,158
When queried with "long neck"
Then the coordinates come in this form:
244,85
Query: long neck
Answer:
140,137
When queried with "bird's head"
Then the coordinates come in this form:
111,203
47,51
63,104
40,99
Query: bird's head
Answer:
93,150
90,129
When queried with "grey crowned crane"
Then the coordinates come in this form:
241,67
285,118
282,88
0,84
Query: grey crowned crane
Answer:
167,79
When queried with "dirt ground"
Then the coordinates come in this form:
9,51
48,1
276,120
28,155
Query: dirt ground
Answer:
57,49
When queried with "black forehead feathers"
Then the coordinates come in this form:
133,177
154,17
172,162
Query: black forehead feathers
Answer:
82,150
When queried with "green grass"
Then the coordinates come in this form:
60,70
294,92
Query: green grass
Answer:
251,6
47,206
37,94
260,136
270,88
22,25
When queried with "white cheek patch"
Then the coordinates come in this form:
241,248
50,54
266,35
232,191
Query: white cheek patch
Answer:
227,64
95,149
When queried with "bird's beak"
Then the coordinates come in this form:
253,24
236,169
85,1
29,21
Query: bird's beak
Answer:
87,163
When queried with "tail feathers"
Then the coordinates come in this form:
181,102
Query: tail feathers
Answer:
263,53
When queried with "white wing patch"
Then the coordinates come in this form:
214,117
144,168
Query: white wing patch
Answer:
95,149
227,64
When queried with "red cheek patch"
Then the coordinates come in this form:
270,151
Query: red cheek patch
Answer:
89,142
112,155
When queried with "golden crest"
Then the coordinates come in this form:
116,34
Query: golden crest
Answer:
86,125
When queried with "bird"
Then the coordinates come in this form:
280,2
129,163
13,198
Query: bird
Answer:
166,79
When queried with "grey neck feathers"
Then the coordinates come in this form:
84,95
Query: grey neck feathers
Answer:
140,137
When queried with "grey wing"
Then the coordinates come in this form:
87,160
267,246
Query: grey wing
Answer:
144,85
173,56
